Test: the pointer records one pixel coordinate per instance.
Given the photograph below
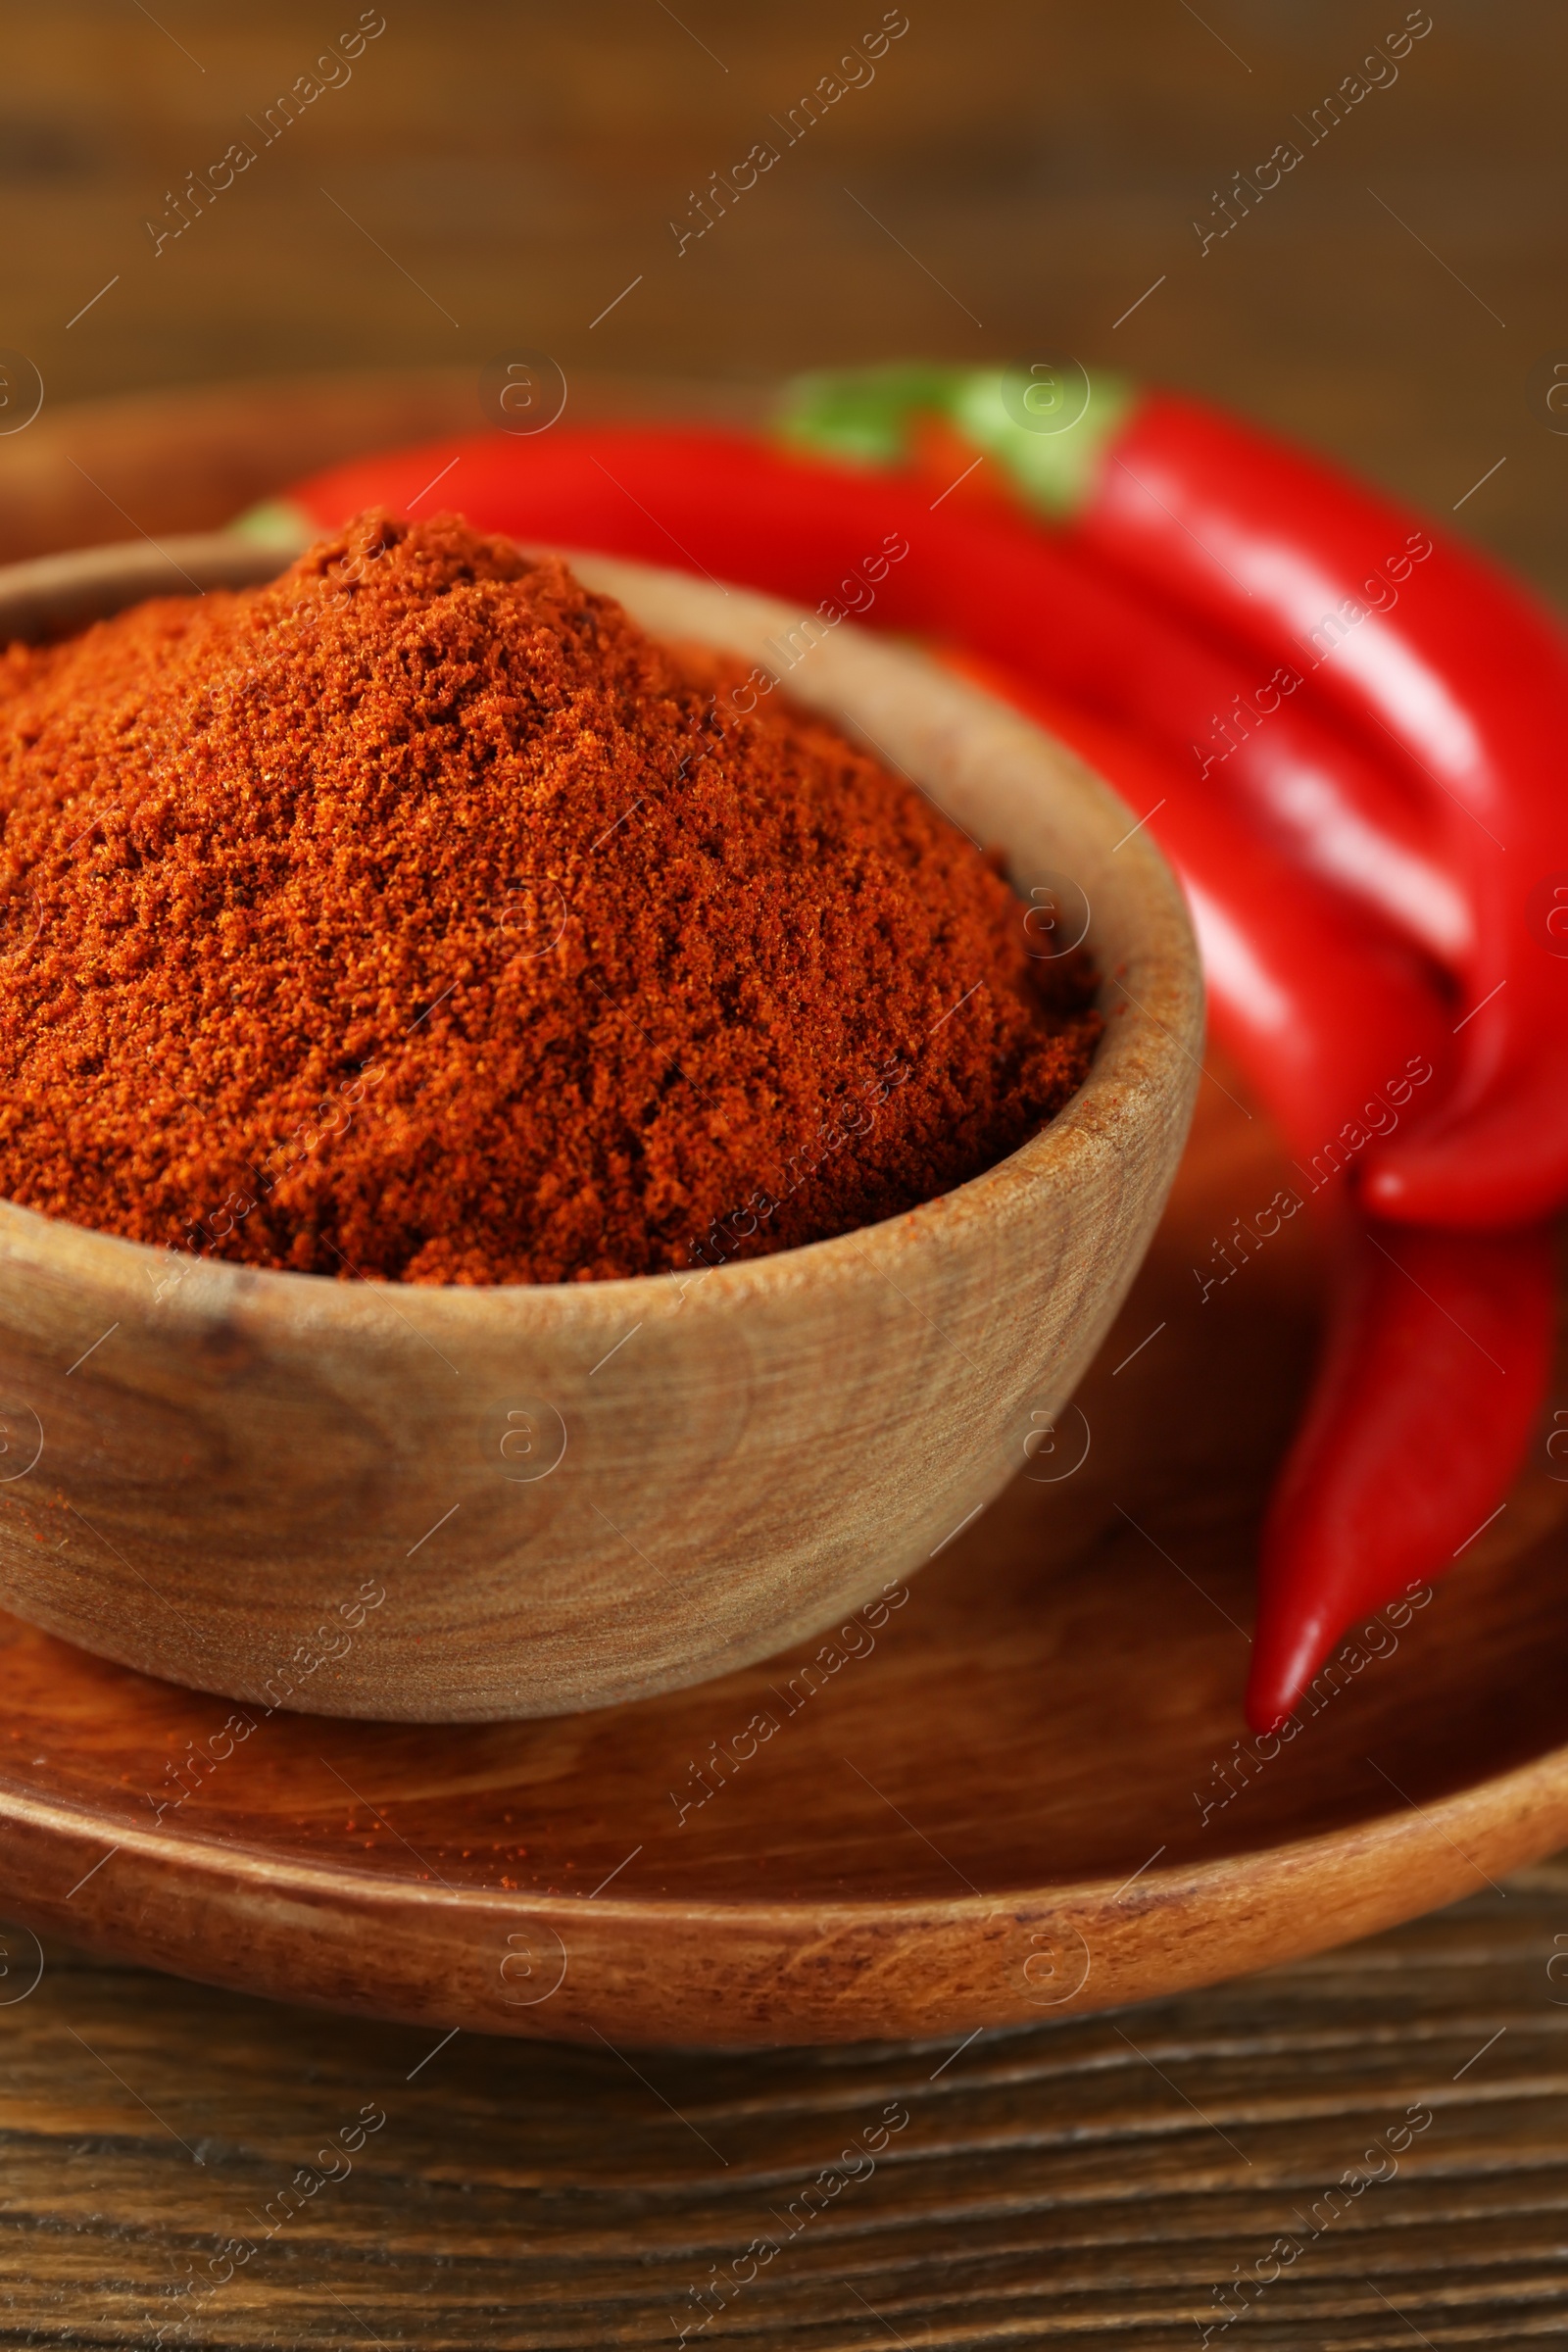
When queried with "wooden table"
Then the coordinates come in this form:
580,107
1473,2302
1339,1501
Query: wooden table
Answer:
1091,2179
494,179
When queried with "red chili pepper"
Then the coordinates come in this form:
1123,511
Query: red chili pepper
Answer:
1437,1346
1466,676
1323,1012
1431,651
1437,1355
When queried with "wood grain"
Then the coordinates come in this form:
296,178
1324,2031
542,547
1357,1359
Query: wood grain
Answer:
1082,2181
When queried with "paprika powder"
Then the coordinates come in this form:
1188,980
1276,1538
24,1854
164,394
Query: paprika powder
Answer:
416,916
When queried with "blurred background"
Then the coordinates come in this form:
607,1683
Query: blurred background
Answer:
1009,178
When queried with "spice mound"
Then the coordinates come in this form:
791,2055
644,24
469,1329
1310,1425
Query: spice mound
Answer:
416,916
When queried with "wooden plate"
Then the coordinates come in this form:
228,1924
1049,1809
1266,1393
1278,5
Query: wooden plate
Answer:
1027,1789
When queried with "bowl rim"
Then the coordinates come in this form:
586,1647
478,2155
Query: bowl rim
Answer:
66,592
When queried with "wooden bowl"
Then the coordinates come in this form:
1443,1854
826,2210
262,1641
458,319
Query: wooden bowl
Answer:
376,1499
